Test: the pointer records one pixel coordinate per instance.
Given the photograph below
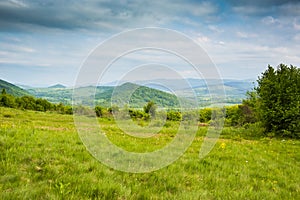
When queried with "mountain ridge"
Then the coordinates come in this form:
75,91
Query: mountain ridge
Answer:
57,86
141,92
13,89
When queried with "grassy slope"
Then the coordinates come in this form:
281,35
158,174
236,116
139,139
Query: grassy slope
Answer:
42,157
12,89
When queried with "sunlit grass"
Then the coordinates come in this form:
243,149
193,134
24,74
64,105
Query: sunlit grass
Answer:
42,157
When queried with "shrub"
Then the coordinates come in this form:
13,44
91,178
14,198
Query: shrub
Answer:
173,115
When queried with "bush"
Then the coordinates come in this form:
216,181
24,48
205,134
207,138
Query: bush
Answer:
7,100
99,111
205,115
138,114
173,115
232,116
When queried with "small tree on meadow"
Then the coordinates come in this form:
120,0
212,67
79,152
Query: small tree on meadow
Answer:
150,108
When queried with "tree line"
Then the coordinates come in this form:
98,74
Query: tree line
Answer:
31,103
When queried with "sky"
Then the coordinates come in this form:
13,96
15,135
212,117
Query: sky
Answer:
45,42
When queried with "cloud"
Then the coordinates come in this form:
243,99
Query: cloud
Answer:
269,20
202,9
246,35
13,3
297,38
267,7
221,43
203,39
98,15
289,9
296,25
58,35
215,29
8,47
258,3
250,10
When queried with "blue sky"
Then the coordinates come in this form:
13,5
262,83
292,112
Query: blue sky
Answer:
45,42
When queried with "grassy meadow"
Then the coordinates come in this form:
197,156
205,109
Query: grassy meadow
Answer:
42,157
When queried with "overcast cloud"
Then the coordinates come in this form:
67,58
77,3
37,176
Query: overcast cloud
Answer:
45,42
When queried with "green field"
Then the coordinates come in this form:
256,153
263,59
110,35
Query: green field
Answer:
42,157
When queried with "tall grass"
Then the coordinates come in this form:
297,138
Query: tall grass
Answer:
42,157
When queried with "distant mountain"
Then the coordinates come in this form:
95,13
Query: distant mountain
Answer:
107,95
160,91
57,86
13,89
235,90
196,83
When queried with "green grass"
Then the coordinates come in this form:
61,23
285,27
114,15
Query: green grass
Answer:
42,157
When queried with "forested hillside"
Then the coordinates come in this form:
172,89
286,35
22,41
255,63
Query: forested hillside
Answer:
12,89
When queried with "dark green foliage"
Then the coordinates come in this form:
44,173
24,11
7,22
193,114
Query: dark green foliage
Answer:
139,96
3,91
15,97
43,105
205,115
7,100
232,116
150,108
26,102
279,100
31,103
99,111
63,109
247,114
138,114
239,115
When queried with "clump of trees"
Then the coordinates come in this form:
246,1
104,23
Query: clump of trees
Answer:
148,112
31,103
278,100
275,103
174,115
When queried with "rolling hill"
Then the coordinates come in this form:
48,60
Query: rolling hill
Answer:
13,89
235,92
139,96
103,95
